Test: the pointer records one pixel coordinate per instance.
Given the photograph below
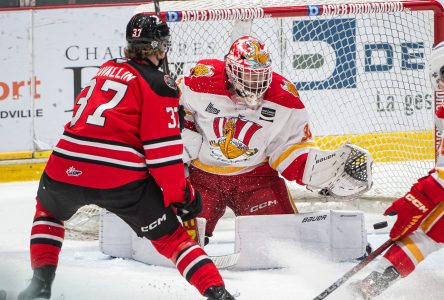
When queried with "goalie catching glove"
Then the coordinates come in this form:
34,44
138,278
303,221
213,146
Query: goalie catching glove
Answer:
191,207
344,173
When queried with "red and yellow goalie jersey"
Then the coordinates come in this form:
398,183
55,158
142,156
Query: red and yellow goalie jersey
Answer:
238,139
124,128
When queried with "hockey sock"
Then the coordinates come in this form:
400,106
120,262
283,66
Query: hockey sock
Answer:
47,236
400,260
190,259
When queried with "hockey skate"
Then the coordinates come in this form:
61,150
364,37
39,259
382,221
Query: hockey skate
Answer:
375,283
40,286
218,293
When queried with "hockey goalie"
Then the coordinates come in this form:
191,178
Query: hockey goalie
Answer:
246,131
253,127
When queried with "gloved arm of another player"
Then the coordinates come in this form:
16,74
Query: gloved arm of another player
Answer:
415,206
191,206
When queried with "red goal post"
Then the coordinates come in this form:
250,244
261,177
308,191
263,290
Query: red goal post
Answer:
221,10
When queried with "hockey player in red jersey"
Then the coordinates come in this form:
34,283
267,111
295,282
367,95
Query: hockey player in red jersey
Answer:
246,127
122,151
419,227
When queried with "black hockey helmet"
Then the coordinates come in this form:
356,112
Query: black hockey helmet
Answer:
148,30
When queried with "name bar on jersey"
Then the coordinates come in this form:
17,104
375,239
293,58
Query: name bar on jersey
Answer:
361,8
215,14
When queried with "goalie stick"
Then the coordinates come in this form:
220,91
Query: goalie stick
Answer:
221,261
354,270
225,261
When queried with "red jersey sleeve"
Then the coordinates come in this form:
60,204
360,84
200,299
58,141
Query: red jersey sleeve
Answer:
160,133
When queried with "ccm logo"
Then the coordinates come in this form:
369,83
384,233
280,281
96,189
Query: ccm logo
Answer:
154,224
416,203
263,205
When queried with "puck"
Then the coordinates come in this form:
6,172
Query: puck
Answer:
380,225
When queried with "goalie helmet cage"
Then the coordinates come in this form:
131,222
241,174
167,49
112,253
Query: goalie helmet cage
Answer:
360,68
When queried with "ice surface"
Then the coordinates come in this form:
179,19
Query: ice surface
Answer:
85,273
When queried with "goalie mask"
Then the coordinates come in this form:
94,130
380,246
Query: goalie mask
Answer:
149,33
248,67
437,67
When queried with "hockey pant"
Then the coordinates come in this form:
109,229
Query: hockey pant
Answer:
412,249
246,194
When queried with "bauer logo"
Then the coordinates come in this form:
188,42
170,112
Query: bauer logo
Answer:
173,16
314,219
314,10
337,35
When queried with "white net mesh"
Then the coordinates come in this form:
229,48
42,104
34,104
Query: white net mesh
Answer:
363,76
84,224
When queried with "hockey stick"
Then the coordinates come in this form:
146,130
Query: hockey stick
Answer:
165,67
225,261
354,270
221,261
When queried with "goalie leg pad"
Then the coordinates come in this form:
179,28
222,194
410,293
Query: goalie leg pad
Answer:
337,235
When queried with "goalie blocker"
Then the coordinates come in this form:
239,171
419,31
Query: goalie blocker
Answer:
344,173
336,235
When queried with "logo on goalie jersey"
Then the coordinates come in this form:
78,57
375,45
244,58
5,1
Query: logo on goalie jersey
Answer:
211,109
291,88
233,138
267,114
202,70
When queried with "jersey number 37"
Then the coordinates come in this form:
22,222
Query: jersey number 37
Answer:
96,117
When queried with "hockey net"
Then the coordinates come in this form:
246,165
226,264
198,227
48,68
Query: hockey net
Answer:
360,68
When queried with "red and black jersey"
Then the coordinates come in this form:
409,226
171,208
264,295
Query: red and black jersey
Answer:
124,127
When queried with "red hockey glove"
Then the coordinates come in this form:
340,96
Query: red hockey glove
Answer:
411,210
191,207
